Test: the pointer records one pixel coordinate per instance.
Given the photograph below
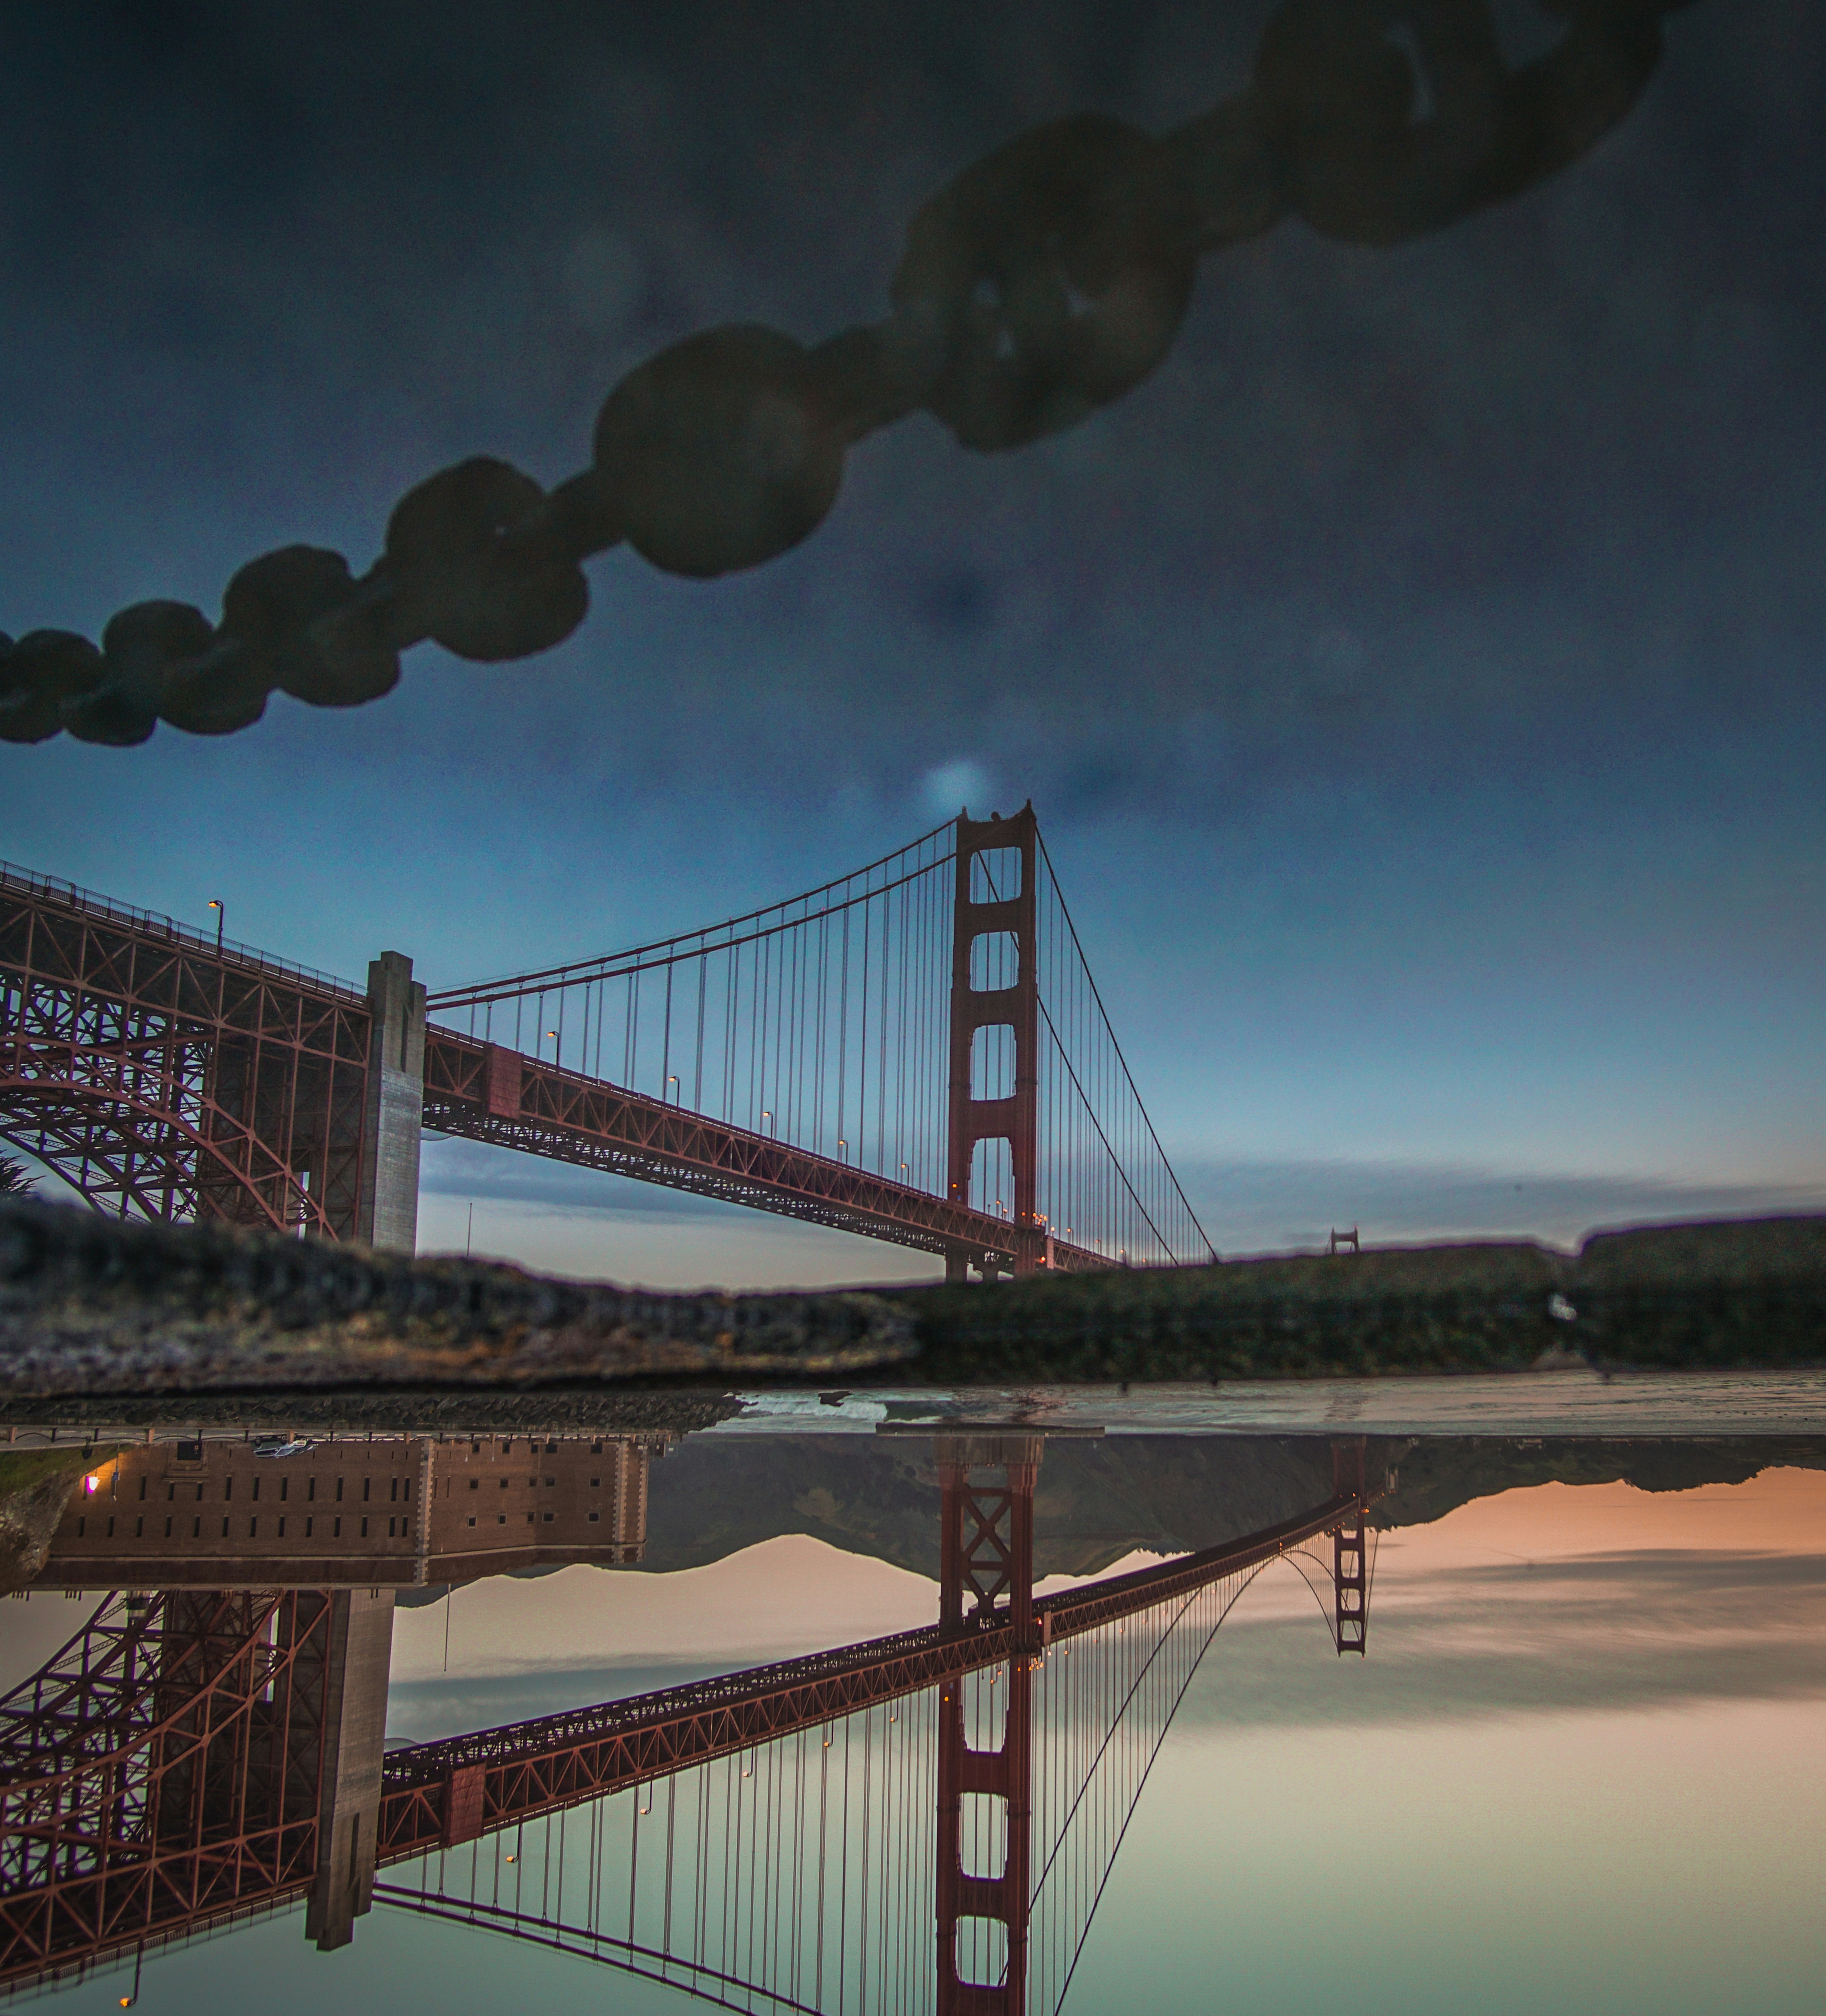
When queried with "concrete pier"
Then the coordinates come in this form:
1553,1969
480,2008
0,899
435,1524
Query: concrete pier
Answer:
387,1214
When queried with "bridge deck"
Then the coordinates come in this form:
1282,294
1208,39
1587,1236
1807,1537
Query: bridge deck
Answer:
483,1092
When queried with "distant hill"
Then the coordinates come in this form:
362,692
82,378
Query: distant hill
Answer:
1742,1293
1099,1498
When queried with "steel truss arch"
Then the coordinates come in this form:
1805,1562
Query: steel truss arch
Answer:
56,1122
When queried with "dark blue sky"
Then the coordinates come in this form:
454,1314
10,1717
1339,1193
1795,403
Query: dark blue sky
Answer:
1417,677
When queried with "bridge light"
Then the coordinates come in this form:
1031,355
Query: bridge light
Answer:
92,1483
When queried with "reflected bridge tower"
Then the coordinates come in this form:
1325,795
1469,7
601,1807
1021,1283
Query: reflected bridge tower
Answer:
986,1541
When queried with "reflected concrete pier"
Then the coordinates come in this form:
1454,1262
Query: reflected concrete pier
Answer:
355,1741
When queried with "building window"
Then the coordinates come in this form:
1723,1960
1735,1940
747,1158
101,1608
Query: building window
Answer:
143,1482
254,1526
170,1493
367,1482
225,1525
503,1483
596,1449
408,1490
139,1528
475,1484
338,1491
364,1529
393,1495
110,1526
82,1527
390,1534
197,1529
282,1525
549,1482
199,1494
503,1518
310,1490
256,1494
285,1490
594,1517
167,1529
336,1530
227,1487
549,1518
308,1524
595,1484
472,1521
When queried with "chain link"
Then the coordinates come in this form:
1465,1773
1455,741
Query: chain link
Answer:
1048,280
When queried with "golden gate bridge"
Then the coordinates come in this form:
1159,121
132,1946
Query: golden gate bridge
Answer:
915,1051
926,1821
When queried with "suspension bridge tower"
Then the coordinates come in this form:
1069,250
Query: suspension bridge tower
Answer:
994,935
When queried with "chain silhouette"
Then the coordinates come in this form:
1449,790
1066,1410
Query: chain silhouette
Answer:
1046,281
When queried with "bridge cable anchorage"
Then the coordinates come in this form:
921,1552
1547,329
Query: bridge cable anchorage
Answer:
915,1051
1047,280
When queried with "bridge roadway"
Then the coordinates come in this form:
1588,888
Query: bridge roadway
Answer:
436,1795
485,1092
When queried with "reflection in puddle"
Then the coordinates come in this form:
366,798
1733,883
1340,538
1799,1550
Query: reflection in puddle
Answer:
913,1720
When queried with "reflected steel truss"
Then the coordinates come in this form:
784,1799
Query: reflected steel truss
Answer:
162,1773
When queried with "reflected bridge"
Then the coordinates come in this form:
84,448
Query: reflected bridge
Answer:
925,1820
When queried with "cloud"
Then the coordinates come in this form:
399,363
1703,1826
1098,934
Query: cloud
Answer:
605,280
963,783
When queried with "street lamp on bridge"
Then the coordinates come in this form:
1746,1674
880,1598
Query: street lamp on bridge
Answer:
222,917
